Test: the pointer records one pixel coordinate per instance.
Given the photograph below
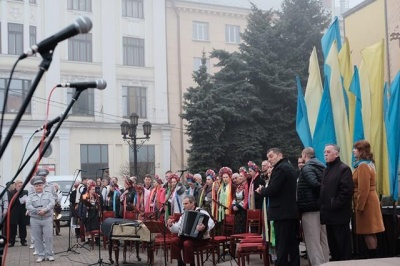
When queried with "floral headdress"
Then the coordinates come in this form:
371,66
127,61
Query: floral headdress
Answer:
189,178
226,170
253,166
211,174
243,170
173,176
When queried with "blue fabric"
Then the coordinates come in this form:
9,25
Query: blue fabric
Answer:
332,33
325,127
393,137
302,125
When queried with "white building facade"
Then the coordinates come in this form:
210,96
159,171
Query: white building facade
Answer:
126,47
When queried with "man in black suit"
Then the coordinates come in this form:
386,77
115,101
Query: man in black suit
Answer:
282,207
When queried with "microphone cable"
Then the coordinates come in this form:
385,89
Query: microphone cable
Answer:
6,98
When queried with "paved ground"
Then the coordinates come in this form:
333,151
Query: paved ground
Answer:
22,256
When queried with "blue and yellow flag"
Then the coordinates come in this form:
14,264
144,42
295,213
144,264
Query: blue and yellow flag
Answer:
302,126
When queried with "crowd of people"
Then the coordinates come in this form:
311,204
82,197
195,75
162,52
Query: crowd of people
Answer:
319,197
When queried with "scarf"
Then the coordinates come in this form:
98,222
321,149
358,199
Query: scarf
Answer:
357,163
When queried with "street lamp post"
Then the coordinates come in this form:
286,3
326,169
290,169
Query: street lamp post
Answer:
128,132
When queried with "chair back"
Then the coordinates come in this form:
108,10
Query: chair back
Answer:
253,220
108,214
229,224
130,215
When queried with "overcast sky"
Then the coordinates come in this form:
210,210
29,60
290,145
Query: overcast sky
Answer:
353,3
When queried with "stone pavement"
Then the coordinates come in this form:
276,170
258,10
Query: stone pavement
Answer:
22,256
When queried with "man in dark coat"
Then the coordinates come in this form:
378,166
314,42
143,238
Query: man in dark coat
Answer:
308,188
18,217
335,203
282,209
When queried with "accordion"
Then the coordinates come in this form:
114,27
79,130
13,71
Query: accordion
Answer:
190,221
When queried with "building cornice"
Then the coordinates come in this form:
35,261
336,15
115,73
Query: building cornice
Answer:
357,8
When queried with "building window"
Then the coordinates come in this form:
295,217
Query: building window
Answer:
15,38
17,93
80,48
232,34
93,158
132,8
82,5
84,106
32,1
32,35
146,160
200,31
133,51
197,63
134,101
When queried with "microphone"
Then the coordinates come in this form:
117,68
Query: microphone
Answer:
104,169
49,124
100,84
80,170
81,25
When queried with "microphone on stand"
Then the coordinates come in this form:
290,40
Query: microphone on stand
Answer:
100,84
82,24
50,123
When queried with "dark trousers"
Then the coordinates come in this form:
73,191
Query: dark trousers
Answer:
188,246
339,241
13,232
287,243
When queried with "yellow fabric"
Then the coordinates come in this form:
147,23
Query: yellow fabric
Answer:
313,90
347,71
366,100
338,107
373,57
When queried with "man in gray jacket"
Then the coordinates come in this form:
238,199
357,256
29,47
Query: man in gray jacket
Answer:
40,206
308,188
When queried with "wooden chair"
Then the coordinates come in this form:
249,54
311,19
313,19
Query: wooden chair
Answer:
254,220
106,214
202,253
247,249
227,231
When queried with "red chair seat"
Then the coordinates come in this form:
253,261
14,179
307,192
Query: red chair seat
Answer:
246,249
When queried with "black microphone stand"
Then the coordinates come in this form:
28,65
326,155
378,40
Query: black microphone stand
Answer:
71,211
43,67
47,144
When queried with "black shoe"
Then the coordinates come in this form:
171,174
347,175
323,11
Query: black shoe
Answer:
24,244
181,263
11,244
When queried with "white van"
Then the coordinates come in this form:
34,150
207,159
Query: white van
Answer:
65,183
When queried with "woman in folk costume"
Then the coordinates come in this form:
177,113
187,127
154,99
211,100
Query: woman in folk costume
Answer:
206,193
367,210
113,202
139,201
127,199
93,202
225,194
255,199
156,198
240,202
174,196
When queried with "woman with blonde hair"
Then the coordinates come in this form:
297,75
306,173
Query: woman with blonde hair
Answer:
366,202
